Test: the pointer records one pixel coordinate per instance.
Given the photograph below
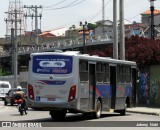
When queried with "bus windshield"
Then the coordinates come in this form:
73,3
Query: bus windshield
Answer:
52,64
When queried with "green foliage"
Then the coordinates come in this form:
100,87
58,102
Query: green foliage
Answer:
4,72
92,26
143,51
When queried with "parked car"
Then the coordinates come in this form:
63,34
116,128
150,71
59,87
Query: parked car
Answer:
5,86
9,98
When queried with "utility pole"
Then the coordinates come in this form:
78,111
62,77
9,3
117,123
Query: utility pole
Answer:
115,31
14,45
72,31
103,15
14,5
84,39
13,20
122,36
152,19
12,49
15,52
34,10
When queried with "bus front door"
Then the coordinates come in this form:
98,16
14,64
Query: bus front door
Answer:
92,86
113,86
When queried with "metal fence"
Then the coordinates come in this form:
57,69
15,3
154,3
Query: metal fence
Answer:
95,39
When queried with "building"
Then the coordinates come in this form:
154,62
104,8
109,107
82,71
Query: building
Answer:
146,17
135,28
105,26
146,20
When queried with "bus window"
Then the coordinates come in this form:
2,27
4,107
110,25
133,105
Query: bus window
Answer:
83,70
106,75
123,74
127,74
120,74
102,72
99,73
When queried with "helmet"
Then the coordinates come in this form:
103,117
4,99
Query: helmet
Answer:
19,88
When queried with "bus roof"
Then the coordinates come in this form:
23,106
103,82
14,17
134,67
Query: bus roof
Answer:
87,56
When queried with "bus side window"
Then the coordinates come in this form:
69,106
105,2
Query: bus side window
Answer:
102,72
106,74
83,71
127,74
119,80
99,72
120,74
123,74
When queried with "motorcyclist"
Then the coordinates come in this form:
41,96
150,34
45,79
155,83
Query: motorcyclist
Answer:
19,94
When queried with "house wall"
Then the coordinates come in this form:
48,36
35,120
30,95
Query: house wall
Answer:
107,29
146,19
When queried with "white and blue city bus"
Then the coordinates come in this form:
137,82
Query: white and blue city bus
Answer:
70,82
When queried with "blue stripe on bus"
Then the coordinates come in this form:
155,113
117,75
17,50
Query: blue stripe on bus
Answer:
105,90
124,90
56,82
128,91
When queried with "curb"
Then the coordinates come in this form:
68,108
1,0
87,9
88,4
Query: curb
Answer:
142,112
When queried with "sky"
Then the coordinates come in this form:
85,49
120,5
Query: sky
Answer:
65,13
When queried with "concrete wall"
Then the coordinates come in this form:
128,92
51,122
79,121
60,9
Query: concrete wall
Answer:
22,79
10,79
148,91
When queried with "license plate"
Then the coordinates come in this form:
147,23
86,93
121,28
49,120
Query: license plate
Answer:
51,99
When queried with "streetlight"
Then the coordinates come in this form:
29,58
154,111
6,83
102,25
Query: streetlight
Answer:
152,18
84,26
72,29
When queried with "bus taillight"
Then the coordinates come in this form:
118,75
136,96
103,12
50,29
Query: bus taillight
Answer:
72,93
30,92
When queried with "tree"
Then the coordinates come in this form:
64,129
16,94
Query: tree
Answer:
141,50
92,26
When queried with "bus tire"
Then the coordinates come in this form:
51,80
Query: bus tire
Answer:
123,111
98,110
127,102
58,115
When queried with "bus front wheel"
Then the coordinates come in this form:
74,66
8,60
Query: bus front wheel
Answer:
58,115
98,110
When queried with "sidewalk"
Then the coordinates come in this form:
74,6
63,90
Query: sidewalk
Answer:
144,110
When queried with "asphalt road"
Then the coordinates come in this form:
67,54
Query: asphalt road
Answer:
115,121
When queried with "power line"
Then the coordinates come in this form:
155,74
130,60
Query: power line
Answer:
134,16
69,5
54,4
100,11
34,14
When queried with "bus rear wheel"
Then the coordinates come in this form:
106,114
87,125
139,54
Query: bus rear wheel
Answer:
122,112
98,110
58,115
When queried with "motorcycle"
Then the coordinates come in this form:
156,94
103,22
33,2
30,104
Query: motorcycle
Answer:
21,106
